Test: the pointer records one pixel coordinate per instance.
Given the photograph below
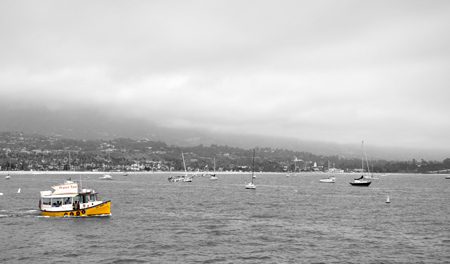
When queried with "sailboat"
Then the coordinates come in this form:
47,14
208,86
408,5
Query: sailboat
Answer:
251,185
372,176
186,177
330,179
213,176
361,181
288,174
9,166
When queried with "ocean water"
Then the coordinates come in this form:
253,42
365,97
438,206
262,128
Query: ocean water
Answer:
285,220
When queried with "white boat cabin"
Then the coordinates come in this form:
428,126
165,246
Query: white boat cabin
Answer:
68,199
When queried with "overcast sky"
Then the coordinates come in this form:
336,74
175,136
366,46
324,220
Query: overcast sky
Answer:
338,71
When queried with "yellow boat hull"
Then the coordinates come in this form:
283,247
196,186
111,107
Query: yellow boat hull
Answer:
101,209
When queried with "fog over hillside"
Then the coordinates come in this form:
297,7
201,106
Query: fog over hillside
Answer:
95,124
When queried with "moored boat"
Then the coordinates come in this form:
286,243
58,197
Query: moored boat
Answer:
213,176
68,180
66,200
106,177
8,177
251,185
330,179
361,181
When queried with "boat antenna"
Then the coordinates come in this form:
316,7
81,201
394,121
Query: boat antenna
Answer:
81,183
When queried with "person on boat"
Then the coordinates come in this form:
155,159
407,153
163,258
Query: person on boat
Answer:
360,178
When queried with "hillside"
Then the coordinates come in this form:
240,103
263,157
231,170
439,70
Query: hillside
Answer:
94,124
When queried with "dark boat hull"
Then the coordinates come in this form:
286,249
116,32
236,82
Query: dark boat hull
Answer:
363,184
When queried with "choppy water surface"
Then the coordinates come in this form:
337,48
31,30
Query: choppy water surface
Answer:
285,220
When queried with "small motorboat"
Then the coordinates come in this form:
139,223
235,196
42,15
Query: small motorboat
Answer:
330,179
8,177
125,174
68,181
175,178
106,177
250,185
213,177
447,177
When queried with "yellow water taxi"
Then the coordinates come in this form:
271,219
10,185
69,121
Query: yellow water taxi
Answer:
66,200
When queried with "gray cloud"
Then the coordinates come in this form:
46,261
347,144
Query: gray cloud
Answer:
341,71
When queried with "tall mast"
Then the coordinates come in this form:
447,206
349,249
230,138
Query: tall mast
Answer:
367,162
362,157
253,166
69,162
185,170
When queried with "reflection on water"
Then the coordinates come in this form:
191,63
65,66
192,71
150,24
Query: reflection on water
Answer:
285,220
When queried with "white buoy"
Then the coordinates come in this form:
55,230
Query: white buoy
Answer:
18,191
387,199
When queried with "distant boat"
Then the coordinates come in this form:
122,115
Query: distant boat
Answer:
18,191
330,179
388,200
251,185
186,178
288,174
106,177
68,181
124,173
361,181
213,176
371,176
447,177
9,168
